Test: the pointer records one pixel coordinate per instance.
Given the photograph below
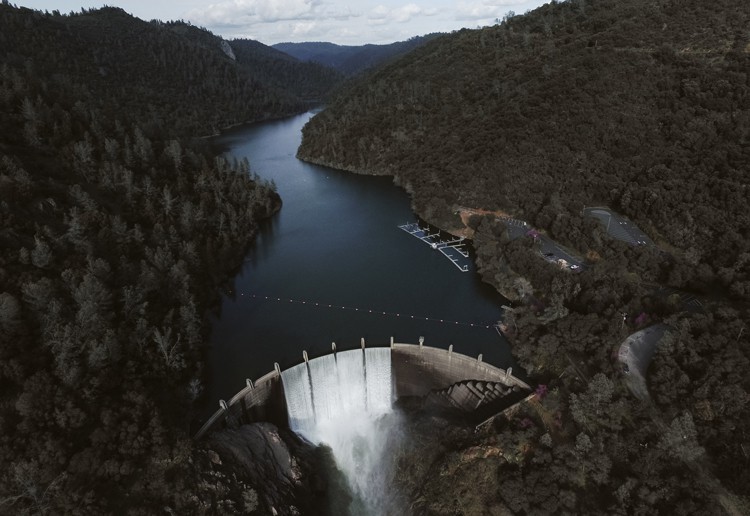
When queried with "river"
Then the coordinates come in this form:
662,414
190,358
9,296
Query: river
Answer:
336,242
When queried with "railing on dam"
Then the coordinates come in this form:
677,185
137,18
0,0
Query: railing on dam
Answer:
417,370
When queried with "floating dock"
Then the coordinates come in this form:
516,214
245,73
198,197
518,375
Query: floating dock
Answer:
455,249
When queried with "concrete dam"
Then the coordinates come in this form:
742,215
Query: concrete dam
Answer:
371,378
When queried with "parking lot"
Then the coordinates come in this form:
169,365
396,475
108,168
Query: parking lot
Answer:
619,227
548,248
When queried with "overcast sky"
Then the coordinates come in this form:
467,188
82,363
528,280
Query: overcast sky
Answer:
346,22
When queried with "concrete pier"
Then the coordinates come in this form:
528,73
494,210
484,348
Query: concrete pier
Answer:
453,250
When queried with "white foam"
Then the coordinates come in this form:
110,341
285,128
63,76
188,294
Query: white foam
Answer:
345,402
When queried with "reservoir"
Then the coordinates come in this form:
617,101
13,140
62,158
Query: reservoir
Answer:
336,241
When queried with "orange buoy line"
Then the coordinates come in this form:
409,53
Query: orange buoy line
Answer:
366,310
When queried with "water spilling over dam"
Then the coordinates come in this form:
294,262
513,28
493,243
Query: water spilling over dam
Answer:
339,400
353,383
344,400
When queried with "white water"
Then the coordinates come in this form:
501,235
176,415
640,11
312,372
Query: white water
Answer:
343,400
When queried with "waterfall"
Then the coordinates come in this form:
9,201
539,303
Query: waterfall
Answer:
343,400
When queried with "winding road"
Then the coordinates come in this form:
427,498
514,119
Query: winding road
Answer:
635,355
619,226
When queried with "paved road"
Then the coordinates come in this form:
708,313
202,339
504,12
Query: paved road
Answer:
516,228
619,227
548,246
519,228
635,355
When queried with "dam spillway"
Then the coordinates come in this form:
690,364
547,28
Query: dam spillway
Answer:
356,382
344,400
416,370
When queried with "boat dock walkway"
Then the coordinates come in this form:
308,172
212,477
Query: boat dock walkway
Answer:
455,250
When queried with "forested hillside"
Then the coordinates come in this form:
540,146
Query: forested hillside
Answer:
192,79
308,81
116,229
351,59
643,106
639,105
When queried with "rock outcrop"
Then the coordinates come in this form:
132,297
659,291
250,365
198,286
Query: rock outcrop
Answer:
227,49
276,471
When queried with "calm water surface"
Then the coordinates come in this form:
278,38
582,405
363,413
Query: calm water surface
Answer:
336,241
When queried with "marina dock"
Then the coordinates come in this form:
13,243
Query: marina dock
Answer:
454,249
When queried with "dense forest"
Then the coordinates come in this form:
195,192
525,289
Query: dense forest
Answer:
308,81
351,59
117,226
191,78
642,106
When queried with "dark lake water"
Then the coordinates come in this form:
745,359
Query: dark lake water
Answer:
336,242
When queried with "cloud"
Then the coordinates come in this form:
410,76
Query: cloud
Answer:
273,21
344,21
246,13
306,30
381,14
486,9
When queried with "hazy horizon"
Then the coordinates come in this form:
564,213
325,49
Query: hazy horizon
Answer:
296,21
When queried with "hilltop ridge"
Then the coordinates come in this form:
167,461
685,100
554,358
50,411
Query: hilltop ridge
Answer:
352,59
169,64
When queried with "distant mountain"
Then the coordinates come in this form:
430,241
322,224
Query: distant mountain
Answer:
351,60
308,81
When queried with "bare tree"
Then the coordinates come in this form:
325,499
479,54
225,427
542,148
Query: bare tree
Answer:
27,478
169,347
